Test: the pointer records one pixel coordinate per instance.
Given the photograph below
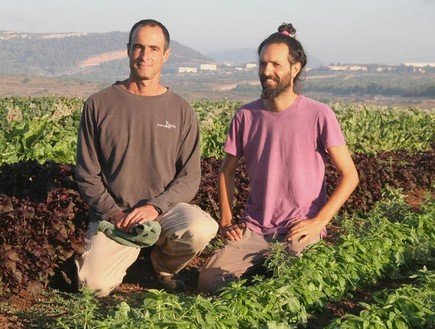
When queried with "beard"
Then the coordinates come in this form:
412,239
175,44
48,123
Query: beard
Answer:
272,92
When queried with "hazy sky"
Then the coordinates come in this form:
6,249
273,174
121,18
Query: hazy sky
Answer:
345,31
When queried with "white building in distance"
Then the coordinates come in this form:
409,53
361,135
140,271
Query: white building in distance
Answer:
208,67
419,64
187,69
347,68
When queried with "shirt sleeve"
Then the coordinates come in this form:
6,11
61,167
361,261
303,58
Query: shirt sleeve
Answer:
88,169
329,129
233,143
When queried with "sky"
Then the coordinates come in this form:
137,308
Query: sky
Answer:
334,31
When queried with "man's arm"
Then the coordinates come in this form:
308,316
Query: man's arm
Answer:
182,188
228,229
88,170
343,162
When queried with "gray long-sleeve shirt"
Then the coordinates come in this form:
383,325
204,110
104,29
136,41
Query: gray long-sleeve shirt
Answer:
134,150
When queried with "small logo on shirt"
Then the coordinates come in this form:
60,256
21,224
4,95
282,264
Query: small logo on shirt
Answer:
167,125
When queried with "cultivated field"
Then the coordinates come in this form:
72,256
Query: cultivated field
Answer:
375,269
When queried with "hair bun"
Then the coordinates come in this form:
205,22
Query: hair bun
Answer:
287,29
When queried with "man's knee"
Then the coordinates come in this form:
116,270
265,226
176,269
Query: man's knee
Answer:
102,272
96,286
198,228
296,248
95,281
202,231
213,279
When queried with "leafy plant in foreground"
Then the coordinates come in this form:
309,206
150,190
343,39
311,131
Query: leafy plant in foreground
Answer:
303,285
409,306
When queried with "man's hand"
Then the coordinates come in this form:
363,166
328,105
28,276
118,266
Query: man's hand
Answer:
117,218
232,232
303,230
140,215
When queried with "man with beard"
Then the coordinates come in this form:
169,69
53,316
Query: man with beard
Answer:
138,163
285,139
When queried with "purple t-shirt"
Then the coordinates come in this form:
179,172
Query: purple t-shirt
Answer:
285,154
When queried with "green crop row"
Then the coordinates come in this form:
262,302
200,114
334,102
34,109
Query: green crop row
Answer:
45,128
370,129
409,306
39,128
392,238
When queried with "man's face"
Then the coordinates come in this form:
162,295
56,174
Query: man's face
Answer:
275,71
147,53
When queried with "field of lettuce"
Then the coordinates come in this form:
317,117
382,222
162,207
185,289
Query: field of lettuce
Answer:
374,270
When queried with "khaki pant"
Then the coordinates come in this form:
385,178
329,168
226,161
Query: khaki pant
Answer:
186,231
243,257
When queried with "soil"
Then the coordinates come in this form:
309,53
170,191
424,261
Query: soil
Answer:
44,86
16,312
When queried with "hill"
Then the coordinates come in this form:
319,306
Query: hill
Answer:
78,64
92,56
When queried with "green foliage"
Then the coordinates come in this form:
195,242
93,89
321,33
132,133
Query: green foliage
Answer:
83,313
369,129
45,128
215,119
409,306
39,129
